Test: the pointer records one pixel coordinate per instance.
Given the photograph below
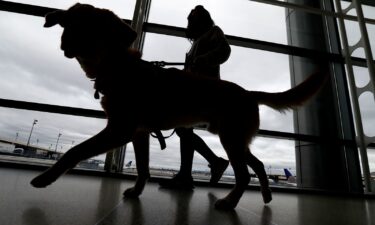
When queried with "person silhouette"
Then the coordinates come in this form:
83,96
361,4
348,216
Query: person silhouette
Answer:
209,49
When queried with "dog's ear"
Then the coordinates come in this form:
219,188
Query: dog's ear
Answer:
55,17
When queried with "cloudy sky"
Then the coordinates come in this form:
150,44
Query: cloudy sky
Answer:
34,69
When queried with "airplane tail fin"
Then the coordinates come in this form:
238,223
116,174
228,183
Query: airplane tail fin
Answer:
289,176
129,163
287,173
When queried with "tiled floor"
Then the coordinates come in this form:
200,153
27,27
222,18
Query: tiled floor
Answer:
88,200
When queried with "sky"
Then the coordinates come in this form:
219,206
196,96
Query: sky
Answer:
34,69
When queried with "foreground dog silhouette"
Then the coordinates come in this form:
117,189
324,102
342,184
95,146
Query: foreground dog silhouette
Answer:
100,41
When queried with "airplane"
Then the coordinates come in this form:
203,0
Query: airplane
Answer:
129,163
290,179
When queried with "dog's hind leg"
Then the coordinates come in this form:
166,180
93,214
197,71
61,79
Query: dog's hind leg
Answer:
236,151
259,170
109,138
141,143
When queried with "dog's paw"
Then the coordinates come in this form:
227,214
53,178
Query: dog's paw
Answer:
267,195
46,178
41,181
224,204
132,193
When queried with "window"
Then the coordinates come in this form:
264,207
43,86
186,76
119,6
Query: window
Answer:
252,20
123,8
49,136
246,67
34,69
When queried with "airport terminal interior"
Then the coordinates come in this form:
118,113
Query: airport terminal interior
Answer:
319,158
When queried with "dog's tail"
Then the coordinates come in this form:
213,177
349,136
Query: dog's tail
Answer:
293,97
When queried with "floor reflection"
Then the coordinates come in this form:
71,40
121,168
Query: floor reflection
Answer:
136,211
229,216
88,200
181,200
266,218
33,216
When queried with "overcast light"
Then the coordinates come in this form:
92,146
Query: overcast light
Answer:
34,69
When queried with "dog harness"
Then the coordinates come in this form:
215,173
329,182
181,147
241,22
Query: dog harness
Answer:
157,133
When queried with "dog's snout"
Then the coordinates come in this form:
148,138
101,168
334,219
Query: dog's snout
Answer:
67,45
68,54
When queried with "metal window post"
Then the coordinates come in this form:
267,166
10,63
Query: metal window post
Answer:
362,140
326,166
114,161
140,16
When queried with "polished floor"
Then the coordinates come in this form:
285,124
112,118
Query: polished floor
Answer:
90,200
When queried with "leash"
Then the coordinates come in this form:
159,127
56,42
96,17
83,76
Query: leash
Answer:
157,134
156,63
163,63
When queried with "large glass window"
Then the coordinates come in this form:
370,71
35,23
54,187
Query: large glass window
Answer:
34,68
276,155
32,136
123,8
251,20
354,35
247,67
371,159
353,31
371,34
366,100
368,11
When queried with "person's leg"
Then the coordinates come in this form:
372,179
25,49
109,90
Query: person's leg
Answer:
202,148
183,179
186,151
217,164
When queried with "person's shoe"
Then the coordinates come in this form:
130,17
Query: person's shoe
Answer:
218,169
178,182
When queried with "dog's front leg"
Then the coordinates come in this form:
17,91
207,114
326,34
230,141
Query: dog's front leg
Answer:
141,143
109,138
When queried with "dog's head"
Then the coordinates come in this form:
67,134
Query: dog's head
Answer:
88,31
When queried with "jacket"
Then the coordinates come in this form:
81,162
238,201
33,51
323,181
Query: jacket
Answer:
207,53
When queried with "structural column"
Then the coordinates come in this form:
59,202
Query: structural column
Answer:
322,166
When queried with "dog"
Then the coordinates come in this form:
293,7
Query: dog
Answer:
128,85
